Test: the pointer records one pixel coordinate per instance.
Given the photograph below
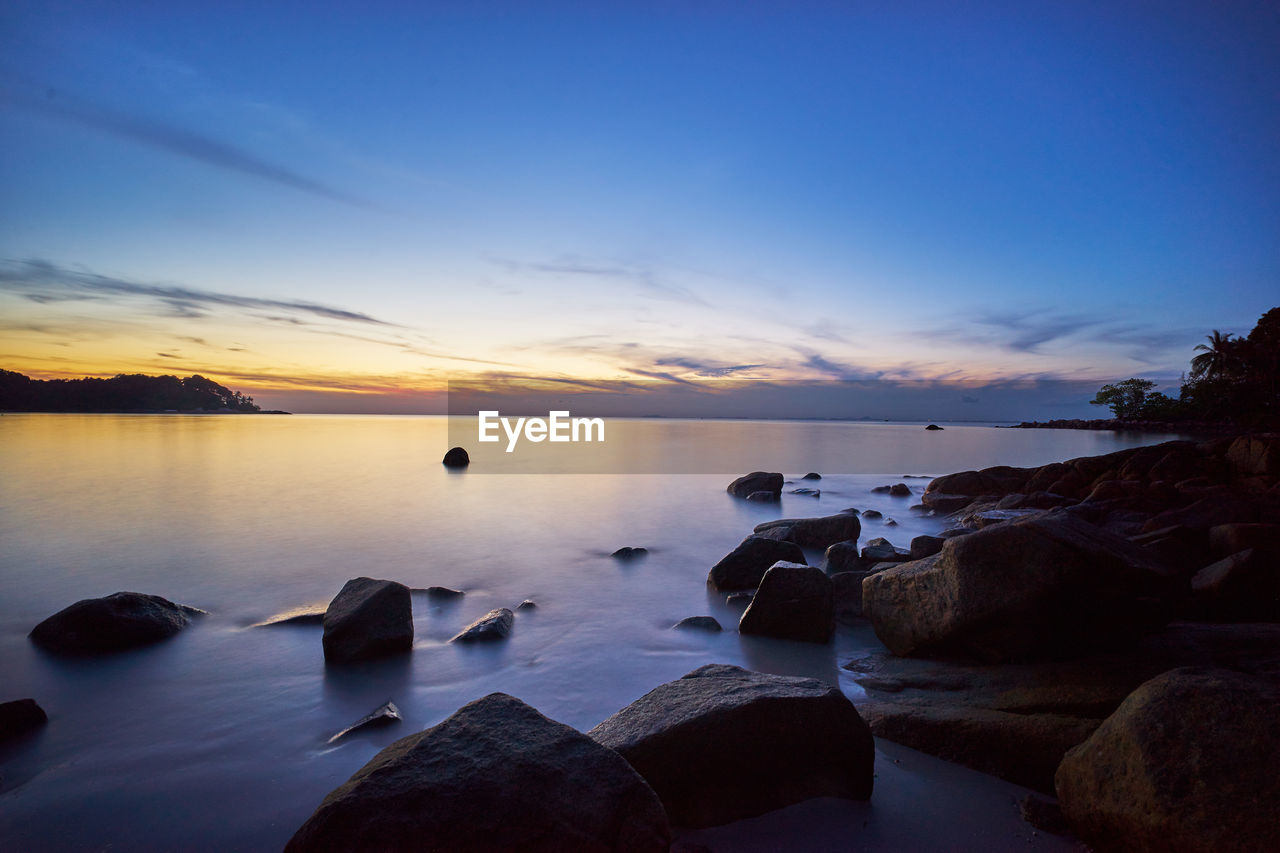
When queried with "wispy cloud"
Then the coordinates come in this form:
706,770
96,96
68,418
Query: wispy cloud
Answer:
645,277
181,142
704,368
43,277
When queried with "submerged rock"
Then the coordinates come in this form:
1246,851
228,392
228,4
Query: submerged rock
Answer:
698,623
1187,762
933,428
812,475
443,593
496,775
19,717
368,619
820,532
745,565
723,743
456,458
382,716
900,490
494,625
627,552
122,620
794,602
756,481
765,497
306,617
527,604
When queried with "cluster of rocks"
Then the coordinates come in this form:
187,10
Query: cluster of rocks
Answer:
499,775
1103,629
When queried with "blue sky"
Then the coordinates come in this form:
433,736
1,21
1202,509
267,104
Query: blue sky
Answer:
318,203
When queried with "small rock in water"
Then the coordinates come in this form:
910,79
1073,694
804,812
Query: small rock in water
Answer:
627,552
934,428
872,513
900,490
527,604
306,617
881,490
702,623
456,458
814,492
444,592
812,476
383,716
19,717
756,481
889,522
494,625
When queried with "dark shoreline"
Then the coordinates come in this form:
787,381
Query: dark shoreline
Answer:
1114,425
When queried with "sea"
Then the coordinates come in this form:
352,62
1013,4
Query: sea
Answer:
218,739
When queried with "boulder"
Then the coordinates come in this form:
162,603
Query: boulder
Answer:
813,493
443,593
1233,538
843,557
627,552
925,546
368,619
497,775
723,743
527,604
19,717
812,475
756,481
1051,586
1022,748
764,497
122,620
745,565
934,428
881,550
1186,763
698,623
945,501
900,490
1252,456
1205,513
1243,587
494,625
456,457
382,716
872,513
846,592
794,602
817,532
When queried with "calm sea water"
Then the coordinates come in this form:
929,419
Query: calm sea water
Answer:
217,739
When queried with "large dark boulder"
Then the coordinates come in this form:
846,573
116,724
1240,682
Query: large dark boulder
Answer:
497,775
756,481
19,717
122,620
794,602
1047,587
745,565
1186,763
368,619
723,743
819,532
846,592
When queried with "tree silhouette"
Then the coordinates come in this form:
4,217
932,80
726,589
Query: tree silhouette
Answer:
1218,358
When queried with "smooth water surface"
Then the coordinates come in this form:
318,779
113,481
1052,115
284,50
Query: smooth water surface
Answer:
216,739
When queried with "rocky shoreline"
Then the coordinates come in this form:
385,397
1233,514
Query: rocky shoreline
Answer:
1104,630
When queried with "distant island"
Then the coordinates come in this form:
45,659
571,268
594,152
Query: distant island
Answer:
125,393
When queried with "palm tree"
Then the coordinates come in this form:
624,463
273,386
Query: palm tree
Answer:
1218,358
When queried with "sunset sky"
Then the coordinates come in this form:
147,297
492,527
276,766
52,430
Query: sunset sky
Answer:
308,200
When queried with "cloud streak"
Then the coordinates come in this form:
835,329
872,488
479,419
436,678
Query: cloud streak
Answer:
183,143
60,283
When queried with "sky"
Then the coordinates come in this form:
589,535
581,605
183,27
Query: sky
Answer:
342,209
